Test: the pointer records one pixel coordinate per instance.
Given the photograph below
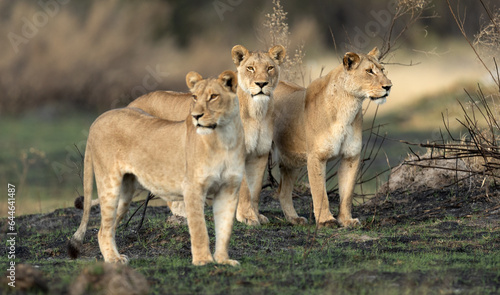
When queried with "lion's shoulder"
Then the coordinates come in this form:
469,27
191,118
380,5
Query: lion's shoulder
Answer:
285,87
168,105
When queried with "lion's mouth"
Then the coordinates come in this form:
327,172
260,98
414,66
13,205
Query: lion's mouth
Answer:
211,126
260,93
379,97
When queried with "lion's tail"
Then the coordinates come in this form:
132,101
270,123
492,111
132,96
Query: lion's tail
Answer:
79,202
75,244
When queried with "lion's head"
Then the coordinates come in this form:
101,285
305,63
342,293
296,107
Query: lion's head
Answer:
365,76
215,103
258,72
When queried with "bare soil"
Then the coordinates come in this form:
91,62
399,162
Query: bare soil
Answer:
454,208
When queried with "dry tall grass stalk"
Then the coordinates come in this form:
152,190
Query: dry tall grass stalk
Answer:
489,36
96,54
279,34
407,13
86,56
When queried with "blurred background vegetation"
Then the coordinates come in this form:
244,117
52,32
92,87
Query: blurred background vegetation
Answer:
65,62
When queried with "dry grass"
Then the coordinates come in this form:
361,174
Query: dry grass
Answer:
407,14
278,33
94,53
479,148
489,36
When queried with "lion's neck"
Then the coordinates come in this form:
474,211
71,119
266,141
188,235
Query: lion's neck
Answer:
256,116
341,103
226,137
256,107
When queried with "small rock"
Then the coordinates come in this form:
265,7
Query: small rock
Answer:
27,278
414,178
109,279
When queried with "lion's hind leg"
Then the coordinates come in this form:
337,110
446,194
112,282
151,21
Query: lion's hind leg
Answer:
127,193
224,208
288,176
316,170
245,212
177,208
109,189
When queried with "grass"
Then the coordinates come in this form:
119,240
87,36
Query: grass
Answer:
40,157
446,255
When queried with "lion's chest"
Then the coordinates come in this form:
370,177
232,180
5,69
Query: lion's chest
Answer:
258,137
341,139
217,174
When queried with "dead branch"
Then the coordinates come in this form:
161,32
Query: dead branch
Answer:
461,26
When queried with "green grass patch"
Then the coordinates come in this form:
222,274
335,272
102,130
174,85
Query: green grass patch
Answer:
443,256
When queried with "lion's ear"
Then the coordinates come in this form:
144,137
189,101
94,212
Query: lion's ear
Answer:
229,80
278,53
351,60
375,53
238,54
192,78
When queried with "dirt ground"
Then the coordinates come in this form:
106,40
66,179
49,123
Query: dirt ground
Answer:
475,206
382,210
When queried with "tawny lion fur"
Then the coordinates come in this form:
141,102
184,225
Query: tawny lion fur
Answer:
321,123
193,160
258,76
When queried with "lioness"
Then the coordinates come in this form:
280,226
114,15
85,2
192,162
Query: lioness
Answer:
323,122
258,75
200,158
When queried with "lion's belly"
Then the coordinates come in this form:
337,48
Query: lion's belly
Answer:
158,176
167,188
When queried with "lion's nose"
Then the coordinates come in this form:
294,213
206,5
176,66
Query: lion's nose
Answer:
387,87
197,116
261,84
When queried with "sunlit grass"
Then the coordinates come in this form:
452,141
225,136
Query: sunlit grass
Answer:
40,157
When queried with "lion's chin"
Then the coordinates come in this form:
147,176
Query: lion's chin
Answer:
260,97
204,130
380,100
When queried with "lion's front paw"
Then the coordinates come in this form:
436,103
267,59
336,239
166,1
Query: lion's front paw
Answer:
200,262
123,259
298,220
248,220
331,223
229,262
263,219
350,222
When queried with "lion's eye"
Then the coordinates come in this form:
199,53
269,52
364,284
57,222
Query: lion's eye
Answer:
251,69
195,98
370,71
214,96
270,68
